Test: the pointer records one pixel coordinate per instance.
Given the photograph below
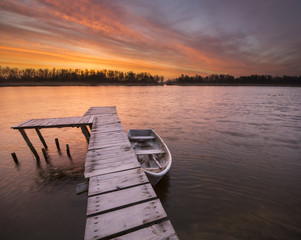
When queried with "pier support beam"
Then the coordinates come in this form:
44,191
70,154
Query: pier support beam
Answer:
86,132
24,135
41,138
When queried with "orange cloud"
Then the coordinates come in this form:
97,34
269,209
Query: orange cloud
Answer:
138,36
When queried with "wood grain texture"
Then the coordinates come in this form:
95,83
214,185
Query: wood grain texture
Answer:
160,231
117,199
116,181
124,219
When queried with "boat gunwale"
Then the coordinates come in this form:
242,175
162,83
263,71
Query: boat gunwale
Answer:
168,154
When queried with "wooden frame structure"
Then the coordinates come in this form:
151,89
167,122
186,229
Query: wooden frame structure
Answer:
38,124
121,201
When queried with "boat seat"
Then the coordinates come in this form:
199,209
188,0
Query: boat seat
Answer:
150,151
141,138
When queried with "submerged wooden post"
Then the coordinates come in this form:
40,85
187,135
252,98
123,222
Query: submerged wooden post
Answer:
24,135
15,158
57,144
41,138
45,155
68,150
86,132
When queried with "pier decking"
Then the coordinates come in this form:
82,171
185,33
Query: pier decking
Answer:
121,202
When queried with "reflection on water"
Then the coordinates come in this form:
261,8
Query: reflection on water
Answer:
162,189
236,159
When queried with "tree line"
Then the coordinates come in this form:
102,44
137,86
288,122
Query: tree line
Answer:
224,79
9,75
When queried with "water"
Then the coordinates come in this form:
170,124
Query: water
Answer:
236,170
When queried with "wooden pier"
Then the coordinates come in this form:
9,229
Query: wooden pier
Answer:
121,202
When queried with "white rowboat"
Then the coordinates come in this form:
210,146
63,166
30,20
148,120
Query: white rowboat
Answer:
152,153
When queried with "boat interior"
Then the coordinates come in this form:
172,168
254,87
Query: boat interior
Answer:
149,150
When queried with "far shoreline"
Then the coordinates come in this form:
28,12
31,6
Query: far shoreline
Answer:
82,84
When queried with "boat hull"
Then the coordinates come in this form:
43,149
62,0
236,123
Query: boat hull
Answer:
149,135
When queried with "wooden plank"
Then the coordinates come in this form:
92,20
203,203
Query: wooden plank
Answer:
91,171
124,148
160,231
109,129
100,110
20,124
116,181
35,122
91,119
110,163
82,187
151,151
46,122
51,122
100,146
41,138
110,136
103,128
99,141
29,144
86,133
124,219
95,155
104,119
31,123
141,137
56,122
84,119
117,199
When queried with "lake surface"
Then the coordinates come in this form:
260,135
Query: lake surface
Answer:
236,170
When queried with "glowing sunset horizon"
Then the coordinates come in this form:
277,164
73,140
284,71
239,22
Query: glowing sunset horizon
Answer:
168,38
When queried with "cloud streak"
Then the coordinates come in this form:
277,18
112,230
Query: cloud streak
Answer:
165,37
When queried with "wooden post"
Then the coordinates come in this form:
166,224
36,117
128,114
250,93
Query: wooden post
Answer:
57,144
86,132
45,155
15,158
68,150
41,138
29,144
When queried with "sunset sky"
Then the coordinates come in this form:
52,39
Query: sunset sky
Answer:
166,37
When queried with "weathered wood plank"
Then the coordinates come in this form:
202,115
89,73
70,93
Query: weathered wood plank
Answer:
109,137
20,124
100,110
41,138
114,139
109,130
54,122
160,231
99,146
124,147
35,122
118,221
91,119
116,181
29,144
99,155
150,151
31,123
110,163
91,171
141,137
96,157
86,133
113,200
